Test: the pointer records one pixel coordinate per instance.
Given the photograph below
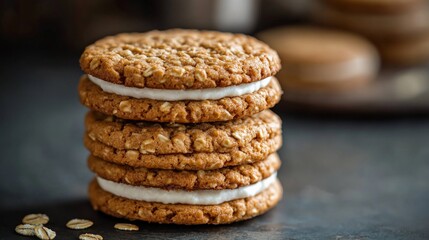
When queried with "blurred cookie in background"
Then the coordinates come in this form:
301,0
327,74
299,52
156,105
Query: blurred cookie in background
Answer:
376,26
387,23
376,6
317,59
413,50
394,93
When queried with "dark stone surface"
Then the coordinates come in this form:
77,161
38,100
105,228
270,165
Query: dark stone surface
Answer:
343,179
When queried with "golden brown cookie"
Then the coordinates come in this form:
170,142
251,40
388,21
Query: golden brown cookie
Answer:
165,138
176,146
224,178
227,212
179,59
322,59
258,151
185,111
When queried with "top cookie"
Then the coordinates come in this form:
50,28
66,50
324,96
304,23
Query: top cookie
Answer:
180,59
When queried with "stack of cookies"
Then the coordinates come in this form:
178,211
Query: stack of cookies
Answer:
180,129
399,28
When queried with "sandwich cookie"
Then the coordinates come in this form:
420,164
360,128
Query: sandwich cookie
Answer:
208,206
224,178
183,147
182,76
322,59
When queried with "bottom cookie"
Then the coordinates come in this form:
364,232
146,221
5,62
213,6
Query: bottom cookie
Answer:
227,212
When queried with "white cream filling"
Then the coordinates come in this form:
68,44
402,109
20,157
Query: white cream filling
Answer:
177,95
197,197
356,67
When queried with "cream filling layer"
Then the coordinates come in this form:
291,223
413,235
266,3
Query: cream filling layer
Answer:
177,95
356,67
197,197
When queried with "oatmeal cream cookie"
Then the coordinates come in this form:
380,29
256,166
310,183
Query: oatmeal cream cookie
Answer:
258,151
183,76
188,214
224,178
202,146
183,111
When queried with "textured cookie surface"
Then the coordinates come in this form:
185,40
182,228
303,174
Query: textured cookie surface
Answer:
232,211
224,109
141,143
179,59
224,178
258,151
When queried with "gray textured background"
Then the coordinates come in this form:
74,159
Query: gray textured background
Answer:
343,179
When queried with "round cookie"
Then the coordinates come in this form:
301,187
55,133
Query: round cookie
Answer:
378,6
195,161
322,59
227,212
224,178
176,146
186,111
183,76
179,59
166,138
